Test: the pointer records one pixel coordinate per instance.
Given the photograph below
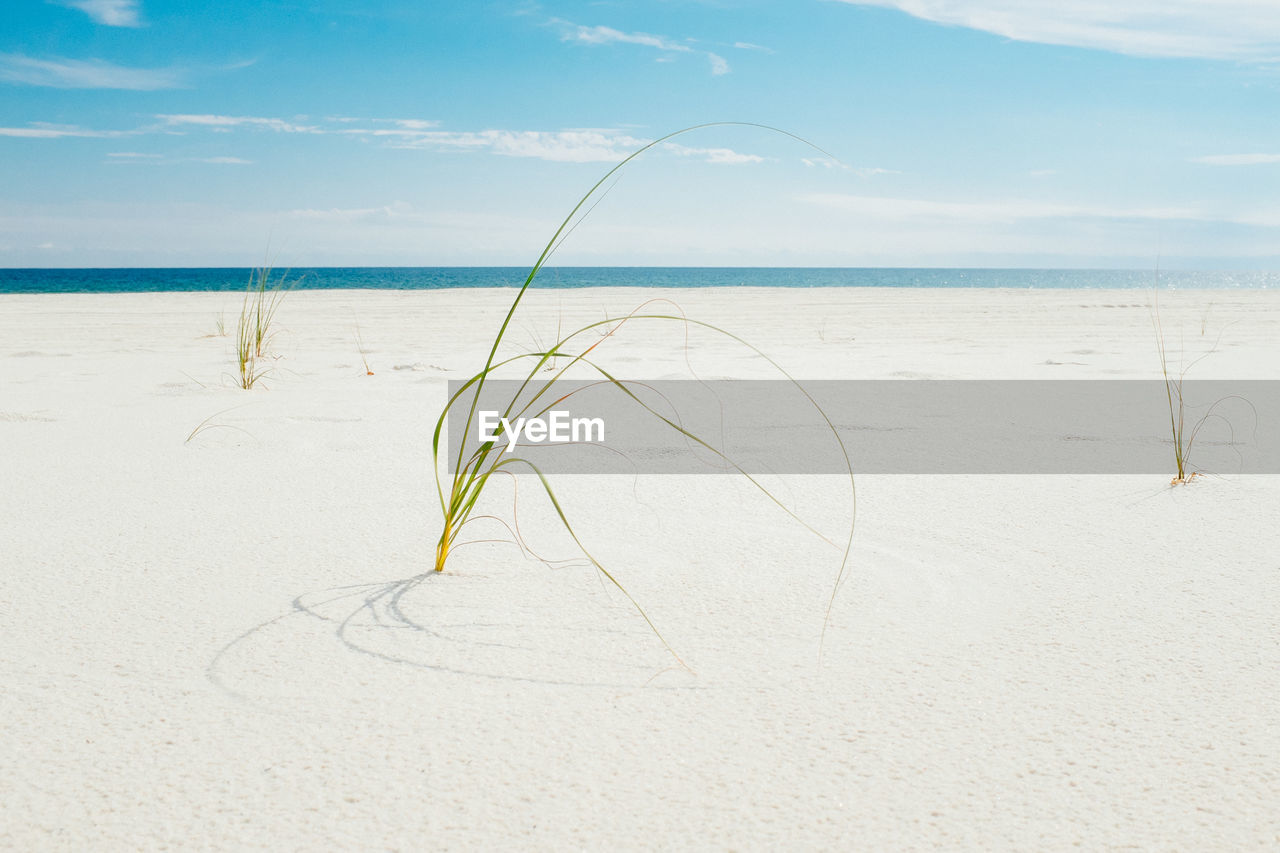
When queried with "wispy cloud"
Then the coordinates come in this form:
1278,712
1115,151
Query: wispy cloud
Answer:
1237,159
608,35
41,130
601,35
397,210
746,45
413,123
220,122
136,157
904,209
570,146
110,13
580,145
724,156
407,128
565,146
61,73
1207,29
398,124
860,171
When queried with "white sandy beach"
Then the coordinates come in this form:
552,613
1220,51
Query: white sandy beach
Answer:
1021,662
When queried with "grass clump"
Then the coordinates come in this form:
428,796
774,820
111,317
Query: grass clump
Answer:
254,329
1182,440
1184,430
474,468
364,353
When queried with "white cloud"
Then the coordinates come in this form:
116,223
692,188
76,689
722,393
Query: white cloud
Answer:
860,171
903,209
564,146
408,124
40,130
61,73
396,211
608,35
126,157
1207,29
746,45
402,131
1237,159
111,13
580,145
715,155
601,35
218,122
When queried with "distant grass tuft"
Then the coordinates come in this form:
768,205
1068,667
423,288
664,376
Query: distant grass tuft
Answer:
1183,431
364,355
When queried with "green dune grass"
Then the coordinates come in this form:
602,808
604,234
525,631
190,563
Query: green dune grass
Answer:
462,493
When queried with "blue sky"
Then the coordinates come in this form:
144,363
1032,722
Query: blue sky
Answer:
961,132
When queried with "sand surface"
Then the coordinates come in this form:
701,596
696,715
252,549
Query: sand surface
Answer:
197,648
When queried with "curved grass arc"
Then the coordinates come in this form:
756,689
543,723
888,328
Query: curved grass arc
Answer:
471,474
480,453
555,240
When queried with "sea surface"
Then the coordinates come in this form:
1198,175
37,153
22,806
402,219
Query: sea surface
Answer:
434,278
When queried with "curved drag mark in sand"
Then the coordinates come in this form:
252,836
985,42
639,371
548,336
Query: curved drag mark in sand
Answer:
598,647
562,629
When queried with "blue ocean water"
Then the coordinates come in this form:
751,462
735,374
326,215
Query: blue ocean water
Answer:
433,278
